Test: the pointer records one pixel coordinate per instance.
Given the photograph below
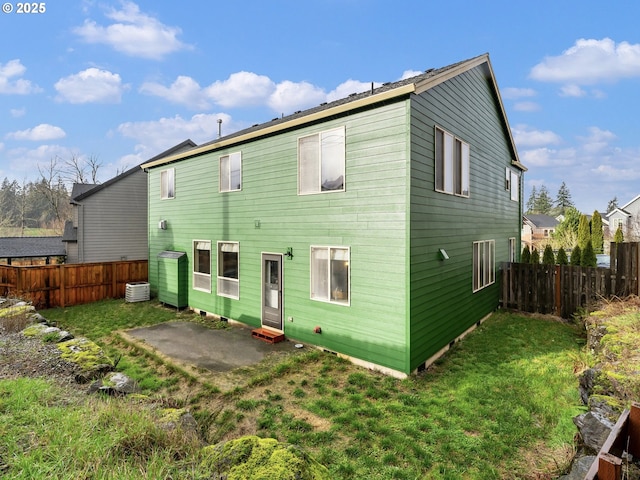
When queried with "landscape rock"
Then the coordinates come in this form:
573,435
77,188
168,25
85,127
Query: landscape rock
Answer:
115,383
594,429
587,381
42,330
580,468
93,362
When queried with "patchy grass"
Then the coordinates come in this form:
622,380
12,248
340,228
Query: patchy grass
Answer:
498,405
617,354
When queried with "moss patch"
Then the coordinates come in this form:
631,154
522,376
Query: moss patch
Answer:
261,458
15,311
87,354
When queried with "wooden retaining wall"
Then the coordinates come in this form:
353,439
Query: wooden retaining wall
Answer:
71,284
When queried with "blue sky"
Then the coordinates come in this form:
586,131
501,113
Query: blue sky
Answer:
121,81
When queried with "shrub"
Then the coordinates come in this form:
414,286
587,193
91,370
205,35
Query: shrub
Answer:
548,258
561,258
576,254
526,255
535,257
589,258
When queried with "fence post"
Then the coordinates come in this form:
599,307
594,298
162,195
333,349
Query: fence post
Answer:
558,290
63,290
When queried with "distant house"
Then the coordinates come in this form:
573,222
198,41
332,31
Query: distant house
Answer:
31,250
110,219
537,228
627,218
373,226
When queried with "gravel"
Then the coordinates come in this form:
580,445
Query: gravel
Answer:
22,356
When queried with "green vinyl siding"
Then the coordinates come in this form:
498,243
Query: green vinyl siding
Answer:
442,304
369,217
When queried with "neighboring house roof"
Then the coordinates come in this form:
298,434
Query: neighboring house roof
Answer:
388,91
541,221
24,247
70,233
622,210
81,190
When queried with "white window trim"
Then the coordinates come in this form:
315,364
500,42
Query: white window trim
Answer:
221,278
449,183
328,299
164,191
489,277
228,156
319,166
200,274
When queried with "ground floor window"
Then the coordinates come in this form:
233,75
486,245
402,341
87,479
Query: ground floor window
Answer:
330,274
229,269
484,271
202,265
513,255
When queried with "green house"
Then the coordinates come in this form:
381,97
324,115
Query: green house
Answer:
373,226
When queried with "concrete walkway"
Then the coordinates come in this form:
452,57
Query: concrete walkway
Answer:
215,350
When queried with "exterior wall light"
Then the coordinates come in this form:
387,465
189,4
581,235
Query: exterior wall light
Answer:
443,254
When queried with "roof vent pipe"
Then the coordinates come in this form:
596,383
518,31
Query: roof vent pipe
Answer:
219,127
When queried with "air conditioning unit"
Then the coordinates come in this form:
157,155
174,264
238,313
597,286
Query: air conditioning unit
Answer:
137,292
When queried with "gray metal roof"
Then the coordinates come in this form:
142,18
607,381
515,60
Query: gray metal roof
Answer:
25,247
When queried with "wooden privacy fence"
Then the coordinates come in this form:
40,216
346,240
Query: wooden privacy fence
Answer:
563,289
71,284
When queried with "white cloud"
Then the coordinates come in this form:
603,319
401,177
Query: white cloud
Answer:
155,136
572,90
24,161
242,89
16,86
91,86
597,141
548,157
18,112
589,62
526,106
184,91
39,133
291,96
347,88
410,73
514,93
133,33
524,136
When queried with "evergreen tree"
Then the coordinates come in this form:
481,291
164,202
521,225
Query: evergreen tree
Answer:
588,257
563,199
566,232
531,203
618,237
584,232
526,255
562,259
576,255
612,205
543,202
535,257
547,256
597,234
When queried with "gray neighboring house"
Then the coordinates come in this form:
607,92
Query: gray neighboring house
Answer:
626,217
110,219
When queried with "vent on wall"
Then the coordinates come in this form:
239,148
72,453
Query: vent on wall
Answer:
137,292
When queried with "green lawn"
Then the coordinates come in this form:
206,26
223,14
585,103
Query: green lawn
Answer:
498,405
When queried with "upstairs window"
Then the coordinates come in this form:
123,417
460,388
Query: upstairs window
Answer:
202,265
451,164
231,172
167,184
321,162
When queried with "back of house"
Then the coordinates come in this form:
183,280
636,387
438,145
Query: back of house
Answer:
371,226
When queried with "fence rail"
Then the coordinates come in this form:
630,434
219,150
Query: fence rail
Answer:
563,289
71,284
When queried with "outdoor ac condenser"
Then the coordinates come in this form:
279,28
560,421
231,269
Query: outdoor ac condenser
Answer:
137,292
